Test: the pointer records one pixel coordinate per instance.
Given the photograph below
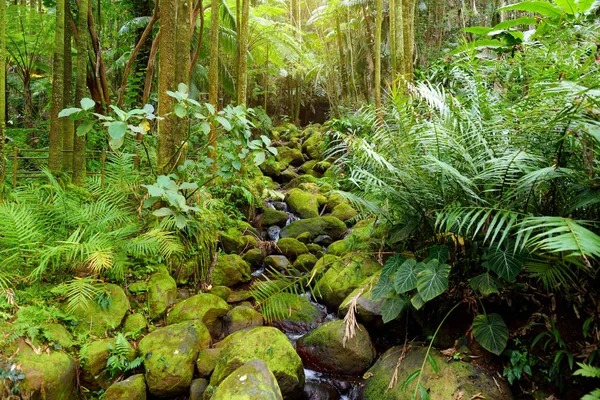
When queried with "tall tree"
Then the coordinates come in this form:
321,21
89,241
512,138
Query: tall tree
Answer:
182,68
242,73
68,126
2,91
80,141
378,23
56,139
213,76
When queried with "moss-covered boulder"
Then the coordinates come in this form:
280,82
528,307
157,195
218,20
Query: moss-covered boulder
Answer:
206,362
263,343
286,155
135,323
170,354
302,203
308,166
132,388
274,217
455,379
230,270
234,241
312,146
272,169
93,362
315,226
96,320
138,287
304,238
325,350
316,250
221,291
239,295
47,376
344,212
242,317
299,316
251,381
59,335
280,263
162,293
291,248
338,248
305,262
205,307
197,388
254,257
368,310
341,279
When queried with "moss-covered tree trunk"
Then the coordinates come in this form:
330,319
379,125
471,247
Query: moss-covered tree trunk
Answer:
408,38
213,76
378,23
58,88
182,66
80,142
2,91
242,73
68,126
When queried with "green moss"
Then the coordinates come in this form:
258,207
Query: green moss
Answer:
304,237
334,200
234,241
291,247
97,320
207,359
242,317
138,288
273,217
162,293
338,248
50,376
307,166
230,270
305,262
94,356
344,212
280,263
254,257
204,306
221,291
312,146
330,226
135,323
59,335
367,309
300,309
302,203
289,156
132,388
251,381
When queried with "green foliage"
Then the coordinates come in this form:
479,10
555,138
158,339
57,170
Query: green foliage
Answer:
10,378
589,371
491,332
520,364
118,362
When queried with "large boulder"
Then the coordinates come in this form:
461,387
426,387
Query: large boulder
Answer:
242,317
274,217
170,354
251,381
452,380
47,375
97,320
299,316
135,324
302,203
204,306
234,241
254,257
330,226
312,145
324,349
230,270
305,262
94,356
264,343
60,337
344,212
132,388
286,155
368,310
341,278
162,293
291,248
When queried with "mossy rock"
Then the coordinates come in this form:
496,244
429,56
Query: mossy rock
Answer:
239,295
272,169
305,262
234,241
221,291
308,166
300,180
342,278
138,287
344,212
304,237
230,270
197,388
135,323
97,320
254,257
286,155
368,310
273,217
205,307
58,334
94,356
324,349
280,263
207,359
300,315
315,250
312,146
251,381
170,354
322,166
302,203
291,248
315,226
242,317
338,248
132,388
263,343
162,293
334,200
454,379
288,175
47,376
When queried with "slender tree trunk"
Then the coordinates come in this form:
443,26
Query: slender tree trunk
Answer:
342,60
182,68
67,124
408,38
266,88
166,81
80,142
213,77
378,23
150,68
2,93
242,73
55,154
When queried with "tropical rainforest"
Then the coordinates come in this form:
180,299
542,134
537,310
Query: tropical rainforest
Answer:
299,199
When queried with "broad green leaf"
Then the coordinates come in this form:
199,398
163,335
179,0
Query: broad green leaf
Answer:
162,212
85,127
584,6
484,284
587,370
505,263
205,127
237,164
188,186
154,191
272,150
265,140
491,43
478,30
259,158
384,286
210,108
491,332
116,143
87,103
405,277
423,393
120,113
182,88
511,23
68,111
392,307
440,253
540,7
567,6
180,221
433,280
224,123
417,301
180,110
117,129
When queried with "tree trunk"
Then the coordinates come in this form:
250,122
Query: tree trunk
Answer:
80,142
378,23
182,68
55,154
2,94
242,73
68,127
213,78
342,60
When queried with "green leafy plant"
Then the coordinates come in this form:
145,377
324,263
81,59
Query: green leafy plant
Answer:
119,361
589,371
520,365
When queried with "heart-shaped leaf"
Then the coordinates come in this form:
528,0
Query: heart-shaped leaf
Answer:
505,263
405,277
491,332
392,307
433,280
